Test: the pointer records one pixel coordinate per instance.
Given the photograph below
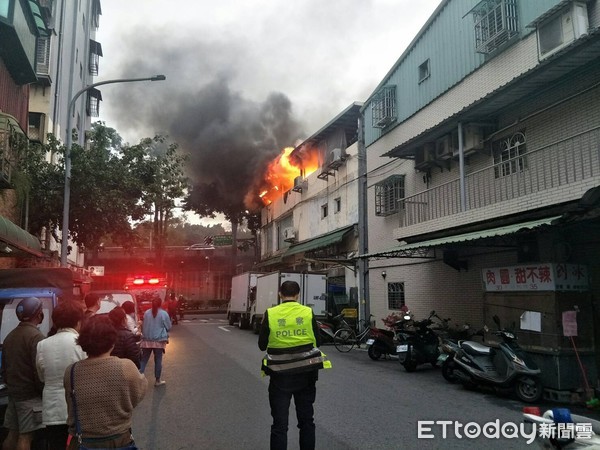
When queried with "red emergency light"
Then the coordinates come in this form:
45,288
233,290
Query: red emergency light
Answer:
141,280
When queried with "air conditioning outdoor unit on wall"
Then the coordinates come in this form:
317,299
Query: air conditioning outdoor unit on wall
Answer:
562,29
443,147
472,140
336,158
425,156
289,234
298,184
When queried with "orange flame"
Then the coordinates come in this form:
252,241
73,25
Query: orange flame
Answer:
282,171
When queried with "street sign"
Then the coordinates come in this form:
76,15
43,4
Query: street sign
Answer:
96,271
222,240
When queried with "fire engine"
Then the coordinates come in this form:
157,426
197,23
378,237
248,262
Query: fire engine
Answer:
146,287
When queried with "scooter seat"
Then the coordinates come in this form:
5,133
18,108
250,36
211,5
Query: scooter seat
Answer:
475,348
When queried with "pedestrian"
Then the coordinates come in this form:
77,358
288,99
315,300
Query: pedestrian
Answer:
181,306
24,388
54,355
127,343
289,333
155,337
173,306
102,390
92,305
132,320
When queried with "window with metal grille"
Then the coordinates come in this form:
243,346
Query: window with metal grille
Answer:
388,194
42,56
496,23
384,107
93,104
95,54
395,292
509,155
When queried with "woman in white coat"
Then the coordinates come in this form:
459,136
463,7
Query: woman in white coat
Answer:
54,355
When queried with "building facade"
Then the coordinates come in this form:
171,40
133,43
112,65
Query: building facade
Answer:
67,60
313,226
22,24
482,153
48,53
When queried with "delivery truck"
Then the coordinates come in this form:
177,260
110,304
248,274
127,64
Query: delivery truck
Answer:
243,295
313,293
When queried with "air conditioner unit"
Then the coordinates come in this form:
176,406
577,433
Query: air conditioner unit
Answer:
383,122
289,234
336,158
443,147
425,156
562,29
472,140
298,184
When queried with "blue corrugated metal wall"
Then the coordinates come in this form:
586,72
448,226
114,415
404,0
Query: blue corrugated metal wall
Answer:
448,41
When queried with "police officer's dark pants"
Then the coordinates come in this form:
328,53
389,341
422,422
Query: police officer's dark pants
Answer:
302,388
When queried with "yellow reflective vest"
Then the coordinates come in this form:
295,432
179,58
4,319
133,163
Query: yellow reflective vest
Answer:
292,347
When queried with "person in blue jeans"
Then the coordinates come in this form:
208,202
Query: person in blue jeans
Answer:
155,336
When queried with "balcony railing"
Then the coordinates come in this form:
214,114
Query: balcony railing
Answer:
561,163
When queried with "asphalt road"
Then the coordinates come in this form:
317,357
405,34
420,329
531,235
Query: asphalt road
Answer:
215,398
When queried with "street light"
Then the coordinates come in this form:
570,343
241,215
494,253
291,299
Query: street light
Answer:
64,247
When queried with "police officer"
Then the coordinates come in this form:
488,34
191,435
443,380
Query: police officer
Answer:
290,335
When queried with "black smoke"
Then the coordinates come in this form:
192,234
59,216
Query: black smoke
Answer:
230,139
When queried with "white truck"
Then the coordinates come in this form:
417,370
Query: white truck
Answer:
313,293
243,294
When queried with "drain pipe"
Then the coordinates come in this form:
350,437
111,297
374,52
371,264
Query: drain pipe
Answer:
461,169
364,307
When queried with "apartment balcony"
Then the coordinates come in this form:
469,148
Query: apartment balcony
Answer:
541,177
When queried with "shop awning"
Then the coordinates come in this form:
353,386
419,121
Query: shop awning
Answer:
13,238
269,262
420,249
335,237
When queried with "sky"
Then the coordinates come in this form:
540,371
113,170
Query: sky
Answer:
245,78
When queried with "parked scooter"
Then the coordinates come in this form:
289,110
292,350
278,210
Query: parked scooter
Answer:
450,345
507,366
558,428
418,345
328,327
383,343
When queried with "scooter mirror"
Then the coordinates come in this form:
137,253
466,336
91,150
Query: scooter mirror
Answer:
485,328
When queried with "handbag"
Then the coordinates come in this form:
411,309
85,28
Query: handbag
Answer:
78,435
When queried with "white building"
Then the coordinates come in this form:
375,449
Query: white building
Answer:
313,226
67,60
481,142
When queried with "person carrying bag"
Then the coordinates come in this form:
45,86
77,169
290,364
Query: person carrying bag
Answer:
104,390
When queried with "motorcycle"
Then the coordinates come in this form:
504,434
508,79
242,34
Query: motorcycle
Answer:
382,343
558,428
505,367
419,345
327,328
450,345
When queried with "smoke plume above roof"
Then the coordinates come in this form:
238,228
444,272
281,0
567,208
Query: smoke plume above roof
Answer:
230,139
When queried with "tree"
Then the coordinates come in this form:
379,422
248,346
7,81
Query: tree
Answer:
159,167
112,187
